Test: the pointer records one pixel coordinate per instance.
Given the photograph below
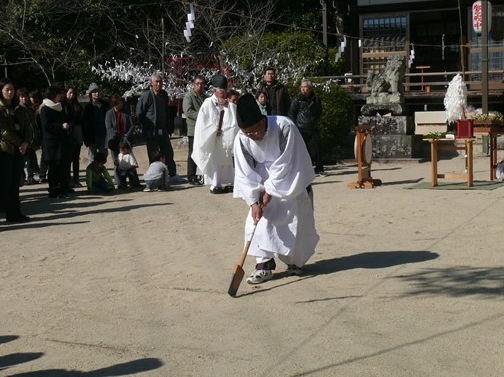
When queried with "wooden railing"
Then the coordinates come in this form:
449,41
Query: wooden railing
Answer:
432,81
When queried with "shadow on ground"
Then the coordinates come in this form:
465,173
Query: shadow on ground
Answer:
407,181
369,260
487,282
125,369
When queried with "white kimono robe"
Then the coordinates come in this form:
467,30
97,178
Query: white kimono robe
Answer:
280,165
211,153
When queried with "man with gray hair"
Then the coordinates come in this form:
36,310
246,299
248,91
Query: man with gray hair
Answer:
157,124
305,112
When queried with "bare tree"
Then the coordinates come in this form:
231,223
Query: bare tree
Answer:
56,36
216,22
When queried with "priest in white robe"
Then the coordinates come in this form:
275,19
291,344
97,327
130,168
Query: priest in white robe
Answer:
273,175
214,134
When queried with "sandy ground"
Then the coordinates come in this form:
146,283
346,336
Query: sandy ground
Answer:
403,283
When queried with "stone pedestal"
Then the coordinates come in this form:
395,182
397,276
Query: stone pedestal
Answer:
392,129
393,136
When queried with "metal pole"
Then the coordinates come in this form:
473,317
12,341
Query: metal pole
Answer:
484,57
462,58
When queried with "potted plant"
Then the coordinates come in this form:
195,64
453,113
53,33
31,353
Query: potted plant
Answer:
492,118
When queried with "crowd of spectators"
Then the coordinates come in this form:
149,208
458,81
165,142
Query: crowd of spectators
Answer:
43,135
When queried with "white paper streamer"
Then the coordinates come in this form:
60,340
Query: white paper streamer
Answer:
455,100
191,17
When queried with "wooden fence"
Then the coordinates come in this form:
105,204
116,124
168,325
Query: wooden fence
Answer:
425,82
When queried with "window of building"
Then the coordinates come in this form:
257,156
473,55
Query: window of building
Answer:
381,38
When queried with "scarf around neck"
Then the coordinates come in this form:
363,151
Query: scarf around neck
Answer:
52,105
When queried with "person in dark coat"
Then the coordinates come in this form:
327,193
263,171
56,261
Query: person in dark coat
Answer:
30,156
75,112
16,135
278,95
305,112
94,129
57,144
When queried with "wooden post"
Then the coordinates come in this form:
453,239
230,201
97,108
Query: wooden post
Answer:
469,151
434,170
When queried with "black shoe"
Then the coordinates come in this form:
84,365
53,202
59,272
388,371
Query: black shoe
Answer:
68,190
18,219
195,181
43,180
228,189
217,190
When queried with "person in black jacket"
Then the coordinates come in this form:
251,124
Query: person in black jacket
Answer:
94,130
57,143
16,135
278,95
75,111
305,112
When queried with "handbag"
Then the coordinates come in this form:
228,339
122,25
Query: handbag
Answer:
114,142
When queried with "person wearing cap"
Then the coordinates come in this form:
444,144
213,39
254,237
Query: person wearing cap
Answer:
213,138
94,131
273,175
157,124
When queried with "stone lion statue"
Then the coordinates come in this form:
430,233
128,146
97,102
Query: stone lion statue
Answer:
389,81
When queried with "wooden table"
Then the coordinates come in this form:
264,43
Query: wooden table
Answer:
437,145
493,131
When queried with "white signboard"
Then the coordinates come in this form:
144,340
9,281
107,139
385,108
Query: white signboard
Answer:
477,16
